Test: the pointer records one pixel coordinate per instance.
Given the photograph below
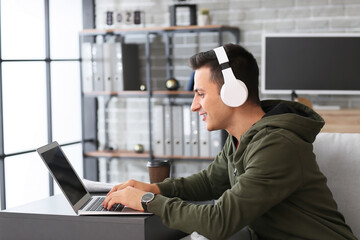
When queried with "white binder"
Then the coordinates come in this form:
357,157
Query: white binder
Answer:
187,130
97,66
204,139
215,143
194,134
168,131
118,68
158,130
177,130
108,52
86,67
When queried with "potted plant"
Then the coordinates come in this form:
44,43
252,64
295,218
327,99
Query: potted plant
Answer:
204,17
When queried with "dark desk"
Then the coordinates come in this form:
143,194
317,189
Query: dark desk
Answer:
53,218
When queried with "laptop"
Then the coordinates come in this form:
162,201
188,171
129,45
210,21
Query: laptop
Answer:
73,187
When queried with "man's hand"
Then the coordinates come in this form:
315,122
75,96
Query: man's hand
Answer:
129,194
136,184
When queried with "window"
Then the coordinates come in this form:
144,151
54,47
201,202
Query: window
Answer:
40,93
66,109
24,105
22,29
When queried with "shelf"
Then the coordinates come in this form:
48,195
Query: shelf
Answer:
194,28
184,158
132,154
142,94
119,93
205,27
117,154
177,94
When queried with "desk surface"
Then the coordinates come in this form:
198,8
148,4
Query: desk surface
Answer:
341,121
53,218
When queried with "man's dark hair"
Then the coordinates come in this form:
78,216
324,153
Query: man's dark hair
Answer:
242,63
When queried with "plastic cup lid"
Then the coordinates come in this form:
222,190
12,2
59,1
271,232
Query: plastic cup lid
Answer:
158,163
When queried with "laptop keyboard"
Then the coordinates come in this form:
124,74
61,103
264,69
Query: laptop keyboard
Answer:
96,206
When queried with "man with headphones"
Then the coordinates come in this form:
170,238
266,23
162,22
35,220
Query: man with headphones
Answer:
265,178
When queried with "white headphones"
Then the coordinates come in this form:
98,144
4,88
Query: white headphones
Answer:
234,92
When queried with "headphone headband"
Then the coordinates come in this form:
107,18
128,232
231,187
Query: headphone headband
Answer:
221,55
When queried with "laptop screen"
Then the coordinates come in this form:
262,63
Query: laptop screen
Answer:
64,174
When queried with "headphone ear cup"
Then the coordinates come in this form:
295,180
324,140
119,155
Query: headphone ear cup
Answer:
234,93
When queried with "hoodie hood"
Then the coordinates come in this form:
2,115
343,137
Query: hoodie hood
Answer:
291,116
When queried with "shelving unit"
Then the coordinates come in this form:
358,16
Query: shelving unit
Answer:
90,103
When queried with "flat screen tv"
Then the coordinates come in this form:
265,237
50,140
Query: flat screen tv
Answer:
311,64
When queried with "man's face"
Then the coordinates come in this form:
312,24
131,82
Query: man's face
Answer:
207,101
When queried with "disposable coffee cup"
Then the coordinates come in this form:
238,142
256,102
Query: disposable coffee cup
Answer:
158,170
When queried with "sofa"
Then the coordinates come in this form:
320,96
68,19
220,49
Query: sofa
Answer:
338,156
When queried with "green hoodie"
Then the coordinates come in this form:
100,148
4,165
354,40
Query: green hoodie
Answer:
270,182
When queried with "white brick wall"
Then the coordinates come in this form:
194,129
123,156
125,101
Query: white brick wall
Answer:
253,17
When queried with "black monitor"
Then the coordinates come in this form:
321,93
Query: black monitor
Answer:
311,63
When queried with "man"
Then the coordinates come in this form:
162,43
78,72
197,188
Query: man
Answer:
266,176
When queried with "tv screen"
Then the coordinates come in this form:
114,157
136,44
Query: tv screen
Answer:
311,64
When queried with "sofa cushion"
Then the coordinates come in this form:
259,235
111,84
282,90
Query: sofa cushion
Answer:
338,156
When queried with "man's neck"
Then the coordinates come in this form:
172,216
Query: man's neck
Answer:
243,118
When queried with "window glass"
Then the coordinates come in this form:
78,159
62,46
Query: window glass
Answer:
24,101
26,179
74,154
65,25
66,107
23,29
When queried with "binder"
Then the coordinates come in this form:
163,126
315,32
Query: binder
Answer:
124,66
97,66
86,67
108,52
194,134
121,118
158,130
130,66
187,130
177,130
204,139
215,140
117,65
168,131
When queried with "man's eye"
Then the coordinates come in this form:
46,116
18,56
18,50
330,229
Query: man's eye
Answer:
200,94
